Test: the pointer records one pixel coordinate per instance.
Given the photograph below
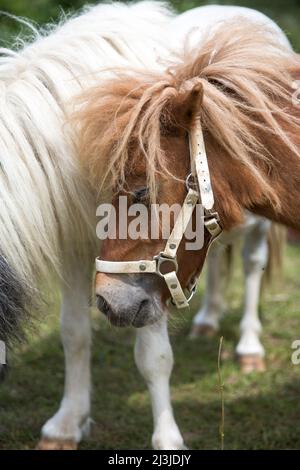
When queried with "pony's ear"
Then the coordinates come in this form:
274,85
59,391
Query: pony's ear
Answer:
186,106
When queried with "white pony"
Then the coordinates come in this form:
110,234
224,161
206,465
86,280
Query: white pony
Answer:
47,209
257,233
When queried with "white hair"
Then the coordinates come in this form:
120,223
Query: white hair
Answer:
47,210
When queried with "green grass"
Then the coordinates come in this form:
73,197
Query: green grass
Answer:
262,411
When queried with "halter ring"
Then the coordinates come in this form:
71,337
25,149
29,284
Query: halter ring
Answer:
190,182
161,259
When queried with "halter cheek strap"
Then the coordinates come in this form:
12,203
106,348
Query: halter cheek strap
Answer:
168,257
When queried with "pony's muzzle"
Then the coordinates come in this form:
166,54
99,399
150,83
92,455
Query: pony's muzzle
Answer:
137,318
125,301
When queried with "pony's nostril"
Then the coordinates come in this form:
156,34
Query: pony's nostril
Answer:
144,304
103,305
142,314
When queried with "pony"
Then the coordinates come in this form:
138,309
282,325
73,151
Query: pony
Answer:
238,86
47,205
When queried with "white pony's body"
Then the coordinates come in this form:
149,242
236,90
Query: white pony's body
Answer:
195,24
254,233
47,209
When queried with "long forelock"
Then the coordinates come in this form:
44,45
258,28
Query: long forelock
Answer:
122,118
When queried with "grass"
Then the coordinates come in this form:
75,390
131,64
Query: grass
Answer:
262,411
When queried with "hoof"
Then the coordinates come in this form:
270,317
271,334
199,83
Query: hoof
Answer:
50,444
252,363
202,330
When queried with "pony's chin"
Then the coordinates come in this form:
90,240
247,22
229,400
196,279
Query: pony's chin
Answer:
146,315
127,301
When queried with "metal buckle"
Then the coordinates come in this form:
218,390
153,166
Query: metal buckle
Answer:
191,183
161,259
211,215
212,224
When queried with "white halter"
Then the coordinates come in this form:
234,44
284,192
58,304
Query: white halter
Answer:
200,172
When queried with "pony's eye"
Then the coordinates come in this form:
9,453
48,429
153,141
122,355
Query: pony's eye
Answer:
140,195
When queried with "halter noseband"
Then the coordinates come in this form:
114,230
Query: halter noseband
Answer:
200,173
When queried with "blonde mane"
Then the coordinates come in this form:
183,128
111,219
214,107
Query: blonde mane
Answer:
247,82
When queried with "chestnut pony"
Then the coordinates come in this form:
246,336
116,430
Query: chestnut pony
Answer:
241,90
239,84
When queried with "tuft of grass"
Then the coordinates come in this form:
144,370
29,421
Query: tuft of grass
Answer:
221,390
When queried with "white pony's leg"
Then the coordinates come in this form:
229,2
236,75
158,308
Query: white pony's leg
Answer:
255,257
154,359
206,321
67,427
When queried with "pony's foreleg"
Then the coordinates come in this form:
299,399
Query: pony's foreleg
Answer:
255,256
67,427
154,359
206,321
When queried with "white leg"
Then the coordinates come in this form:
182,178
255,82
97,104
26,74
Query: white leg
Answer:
154,359
255,255
67,426
208,317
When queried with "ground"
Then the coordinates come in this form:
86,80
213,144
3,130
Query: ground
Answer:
262,410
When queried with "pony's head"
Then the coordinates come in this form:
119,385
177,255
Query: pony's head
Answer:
134,135
160,191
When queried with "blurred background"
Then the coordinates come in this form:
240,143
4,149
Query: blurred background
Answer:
285,12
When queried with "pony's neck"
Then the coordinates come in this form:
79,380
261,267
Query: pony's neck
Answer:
286,180
237,189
